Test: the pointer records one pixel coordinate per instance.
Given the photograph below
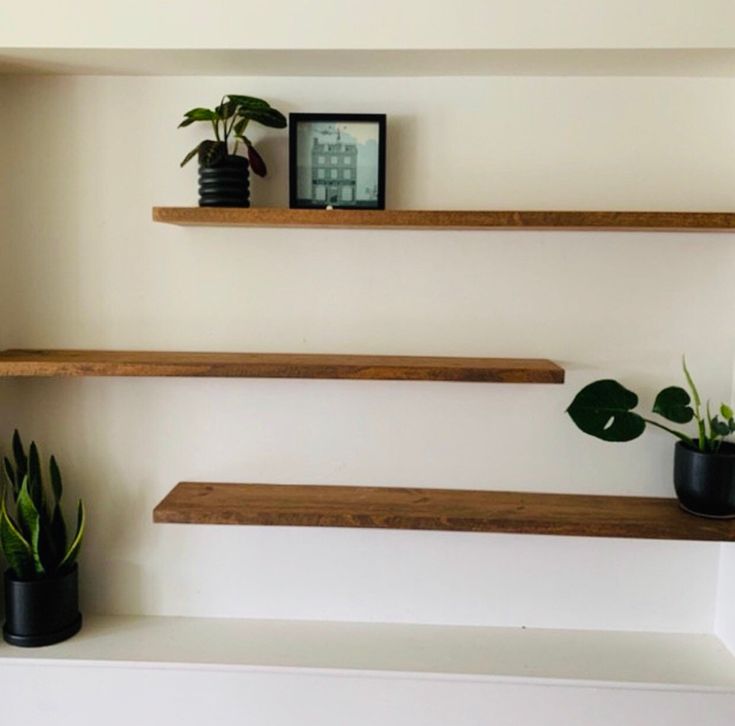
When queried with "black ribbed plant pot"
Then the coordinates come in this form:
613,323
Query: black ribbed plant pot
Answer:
226,183
705,483
41,612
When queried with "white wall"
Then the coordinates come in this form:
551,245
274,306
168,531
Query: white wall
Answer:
88,268
378,24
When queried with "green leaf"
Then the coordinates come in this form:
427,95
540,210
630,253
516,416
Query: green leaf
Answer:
212,152
21,460
16,548
191,154
604,409
73,551
256,160
239,128
719,427
30,523
692,387
55,475
57,530
248,102
35,484
266,116
198,114
226,110
673,404
726,412
10,476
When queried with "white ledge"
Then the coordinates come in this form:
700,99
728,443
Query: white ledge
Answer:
615,659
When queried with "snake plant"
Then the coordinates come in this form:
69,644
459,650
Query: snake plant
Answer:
33,533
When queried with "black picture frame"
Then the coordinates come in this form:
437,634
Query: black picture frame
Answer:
335,190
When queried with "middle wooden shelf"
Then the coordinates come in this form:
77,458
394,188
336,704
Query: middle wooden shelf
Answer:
44,363
454,510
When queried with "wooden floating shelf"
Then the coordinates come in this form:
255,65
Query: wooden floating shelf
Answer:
436,219
437,509
41,363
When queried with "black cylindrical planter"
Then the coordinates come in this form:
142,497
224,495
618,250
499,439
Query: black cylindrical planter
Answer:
225,184
705,483
41,612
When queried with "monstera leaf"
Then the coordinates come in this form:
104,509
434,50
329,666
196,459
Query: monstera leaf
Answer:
673,403
605,409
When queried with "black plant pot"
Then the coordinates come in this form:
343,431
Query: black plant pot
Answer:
705,483
226,183
41,612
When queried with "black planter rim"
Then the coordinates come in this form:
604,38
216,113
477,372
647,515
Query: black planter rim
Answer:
54,578
727,450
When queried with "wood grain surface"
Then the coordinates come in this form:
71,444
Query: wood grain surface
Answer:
455,219
437,509
277,365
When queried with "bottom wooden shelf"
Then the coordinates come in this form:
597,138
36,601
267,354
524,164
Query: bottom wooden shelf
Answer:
437,509
673,659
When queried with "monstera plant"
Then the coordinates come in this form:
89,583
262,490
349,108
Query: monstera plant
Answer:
605,409
223,174
704,462
41,601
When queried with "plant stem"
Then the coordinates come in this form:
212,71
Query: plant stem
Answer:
697,406
678,434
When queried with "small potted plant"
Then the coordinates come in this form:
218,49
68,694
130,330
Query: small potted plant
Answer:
41,591
704,463
224,179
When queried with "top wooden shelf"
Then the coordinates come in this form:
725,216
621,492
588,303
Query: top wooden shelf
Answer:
37,363
436,219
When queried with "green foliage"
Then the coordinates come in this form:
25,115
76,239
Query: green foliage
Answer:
229,121
33,533
605,409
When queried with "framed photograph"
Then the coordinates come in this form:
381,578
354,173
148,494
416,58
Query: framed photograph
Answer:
336,160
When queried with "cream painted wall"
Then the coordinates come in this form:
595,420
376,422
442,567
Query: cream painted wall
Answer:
467,24
88,268
189,697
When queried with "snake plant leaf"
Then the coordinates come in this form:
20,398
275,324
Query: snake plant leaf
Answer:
16,548
726,412
673,404
248,103
55,474
73,551
30,523
604,409
35,485
10,477
21,460
57,531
